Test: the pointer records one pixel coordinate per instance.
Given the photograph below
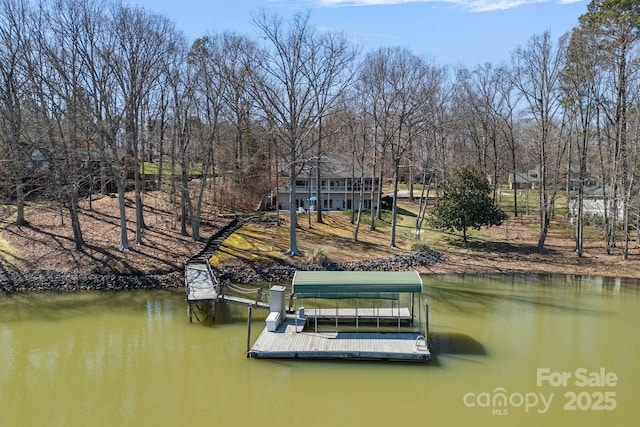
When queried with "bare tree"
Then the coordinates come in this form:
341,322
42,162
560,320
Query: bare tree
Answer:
286,82
615,28
236,56
181,74
330,72
482,99
143,42
537,69
99,53
209,85
16,145
398,82
61,83
507,116
579,84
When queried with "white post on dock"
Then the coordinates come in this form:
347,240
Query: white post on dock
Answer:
276,300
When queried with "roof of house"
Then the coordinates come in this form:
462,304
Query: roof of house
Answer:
595,192
524,177
332,166
354,284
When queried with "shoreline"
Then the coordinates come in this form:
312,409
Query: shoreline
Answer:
427,263
12,282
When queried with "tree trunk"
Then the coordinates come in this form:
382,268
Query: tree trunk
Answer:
75,219
184,200
374,188
137,185
362,179
319,219
20,219
293,215
514,168
394,209
124,239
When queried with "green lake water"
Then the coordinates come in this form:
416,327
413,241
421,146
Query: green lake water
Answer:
508,351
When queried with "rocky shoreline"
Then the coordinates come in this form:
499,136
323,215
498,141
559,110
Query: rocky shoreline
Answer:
12,281
65,281
251,273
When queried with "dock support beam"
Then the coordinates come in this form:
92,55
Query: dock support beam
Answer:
426,323
249,332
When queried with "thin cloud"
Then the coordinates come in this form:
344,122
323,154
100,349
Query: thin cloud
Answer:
471,5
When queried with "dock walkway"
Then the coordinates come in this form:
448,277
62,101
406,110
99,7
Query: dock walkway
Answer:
200,283
290,340
204,290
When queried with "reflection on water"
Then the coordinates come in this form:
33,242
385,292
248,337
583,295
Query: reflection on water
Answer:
131,359
454,343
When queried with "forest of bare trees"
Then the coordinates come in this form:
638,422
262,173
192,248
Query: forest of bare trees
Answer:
99,97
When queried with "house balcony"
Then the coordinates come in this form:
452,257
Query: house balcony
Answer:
326,189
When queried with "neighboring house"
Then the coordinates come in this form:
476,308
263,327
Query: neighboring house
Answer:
339,190
594,202
524,181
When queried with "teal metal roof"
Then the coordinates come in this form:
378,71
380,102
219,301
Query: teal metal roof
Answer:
354,284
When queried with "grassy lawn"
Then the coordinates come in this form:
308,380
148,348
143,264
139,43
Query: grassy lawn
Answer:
255,242
528,202
334,237
151,168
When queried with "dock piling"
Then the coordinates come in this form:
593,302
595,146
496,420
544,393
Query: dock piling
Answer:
426,323
249,332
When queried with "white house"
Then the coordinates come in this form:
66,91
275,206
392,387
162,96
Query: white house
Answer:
594,202
339,187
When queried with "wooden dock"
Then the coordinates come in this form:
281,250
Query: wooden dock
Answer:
291,340
200,283
204,290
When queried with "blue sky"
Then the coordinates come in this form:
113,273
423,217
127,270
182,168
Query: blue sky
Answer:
452,32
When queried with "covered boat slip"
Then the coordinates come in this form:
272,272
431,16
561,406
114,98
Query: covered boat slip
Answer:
376,297
337,284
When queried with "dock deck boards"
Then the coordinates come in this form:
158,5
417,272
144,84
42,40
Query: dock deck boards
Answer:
200,284
291,341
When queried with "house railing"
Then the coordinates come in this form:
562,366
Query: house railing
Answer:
326,189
